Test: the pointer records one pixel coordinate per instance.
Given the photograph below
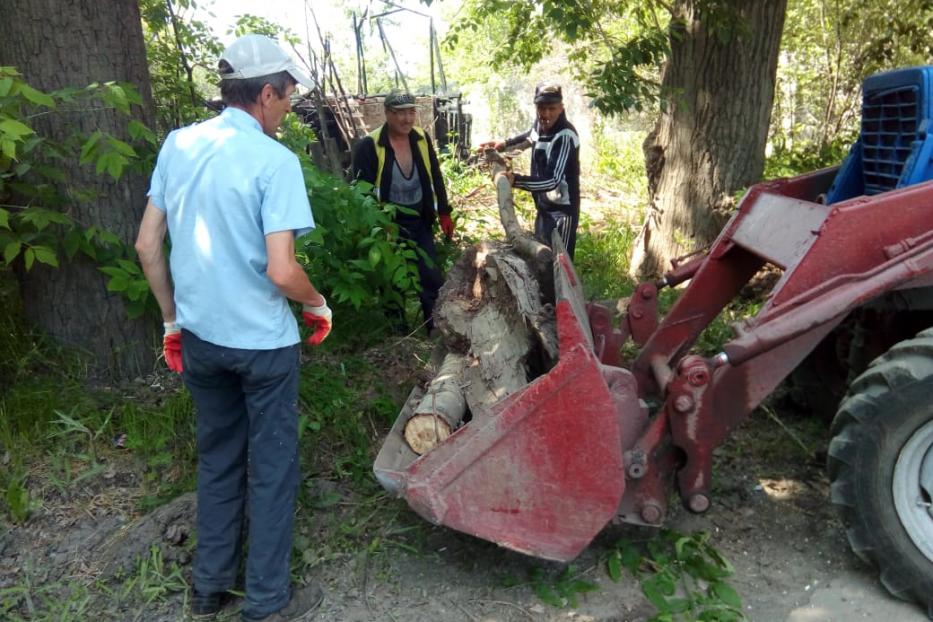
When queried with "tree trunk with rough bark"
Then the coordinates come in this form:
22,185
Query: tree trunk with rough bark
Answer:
709,141
57,43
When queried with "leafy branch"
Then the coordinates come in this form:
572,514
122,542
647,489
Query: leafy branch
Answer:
683,576
36,200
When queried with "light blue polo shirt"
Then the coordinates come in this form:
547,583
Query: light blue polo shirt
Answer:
224,186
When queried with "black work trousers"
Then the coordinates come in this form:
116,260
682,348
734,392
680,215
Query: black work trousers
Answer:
247,432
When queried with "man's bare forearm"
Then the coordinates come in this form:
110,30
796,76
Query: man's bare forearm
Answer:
149,250
156,271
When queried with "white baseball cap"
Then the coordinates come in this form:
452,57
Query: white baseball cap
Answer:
253,56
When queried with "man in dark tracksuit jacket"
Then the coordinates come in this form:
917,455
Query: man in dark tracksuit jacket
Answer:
399,160
554,179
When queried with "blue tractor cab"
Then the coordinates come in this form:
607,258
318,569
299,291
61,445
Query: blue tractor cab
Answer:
895,147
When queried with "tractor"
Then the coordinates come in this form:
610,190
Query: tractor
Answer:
595,440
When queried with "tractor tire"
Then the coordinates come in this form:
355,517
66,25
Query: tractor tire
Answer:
881,467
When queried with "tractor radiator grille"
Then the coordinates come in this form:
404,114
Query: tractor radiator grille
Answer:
889,126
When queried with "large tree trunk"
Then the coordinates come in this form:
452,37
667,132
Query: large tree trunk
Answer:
709,141
57,43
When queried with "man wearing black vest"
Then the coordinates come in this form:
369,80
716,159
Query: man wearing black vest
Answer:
399,160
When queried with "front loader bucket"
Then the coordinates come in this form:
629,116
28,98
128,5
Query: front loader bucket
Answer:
541,472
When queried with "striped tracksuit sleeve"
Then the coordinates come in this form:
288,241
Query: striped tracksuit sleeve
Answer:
554,170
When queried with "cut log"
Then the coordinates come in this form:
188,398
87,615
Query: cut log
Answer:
425,432
441,409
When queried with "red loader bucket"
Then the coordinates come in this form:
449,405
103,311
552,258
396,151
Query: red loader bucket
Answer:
541,471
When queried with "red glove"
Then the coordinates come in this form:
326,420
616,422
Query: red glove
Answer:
171,347
447,225
319,319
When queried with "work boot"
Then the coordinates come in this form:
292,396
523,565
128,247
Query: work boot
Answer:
301,606
207,605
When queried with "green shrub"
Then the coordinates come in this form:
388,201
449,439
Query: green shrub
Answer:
354,255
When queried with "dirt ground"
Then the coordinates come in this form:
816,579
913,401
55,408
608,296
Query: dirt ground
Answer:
770,517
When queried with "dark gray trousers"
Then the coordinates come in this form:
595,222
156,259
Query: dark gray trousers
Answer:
545,223
247,429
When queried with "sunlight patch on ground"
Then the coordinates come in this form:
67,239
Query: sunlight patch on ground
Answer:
781,489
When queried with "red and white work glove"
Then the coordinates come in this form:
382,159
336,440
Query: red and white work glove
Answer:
447,225
171,346
319,319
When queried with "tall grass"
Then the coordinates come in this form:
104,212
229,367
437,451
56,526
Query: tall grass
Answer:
602,258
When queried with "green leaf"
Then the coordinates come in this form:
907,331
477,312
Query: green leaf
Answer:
36,97
5,85
614,566
374,256
8,148
548,595
118,284
135,309
727,594
678,605
11,251
14,128
4,218
655,597
45,255
137,290
629,556
88,146
365,266
72,242
129,266
103,161
29,257
89,249
121,147
581,586
135,129
116,164
108,238
115,272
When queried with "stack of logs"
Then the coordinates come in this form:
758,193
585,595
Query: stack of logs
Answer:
494,325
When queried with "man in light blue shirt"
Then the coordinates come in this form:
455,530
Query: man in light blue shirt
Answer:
233,200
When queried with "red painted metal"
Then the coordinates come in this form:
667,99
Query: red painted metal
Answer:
607,340
541,473
642,315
